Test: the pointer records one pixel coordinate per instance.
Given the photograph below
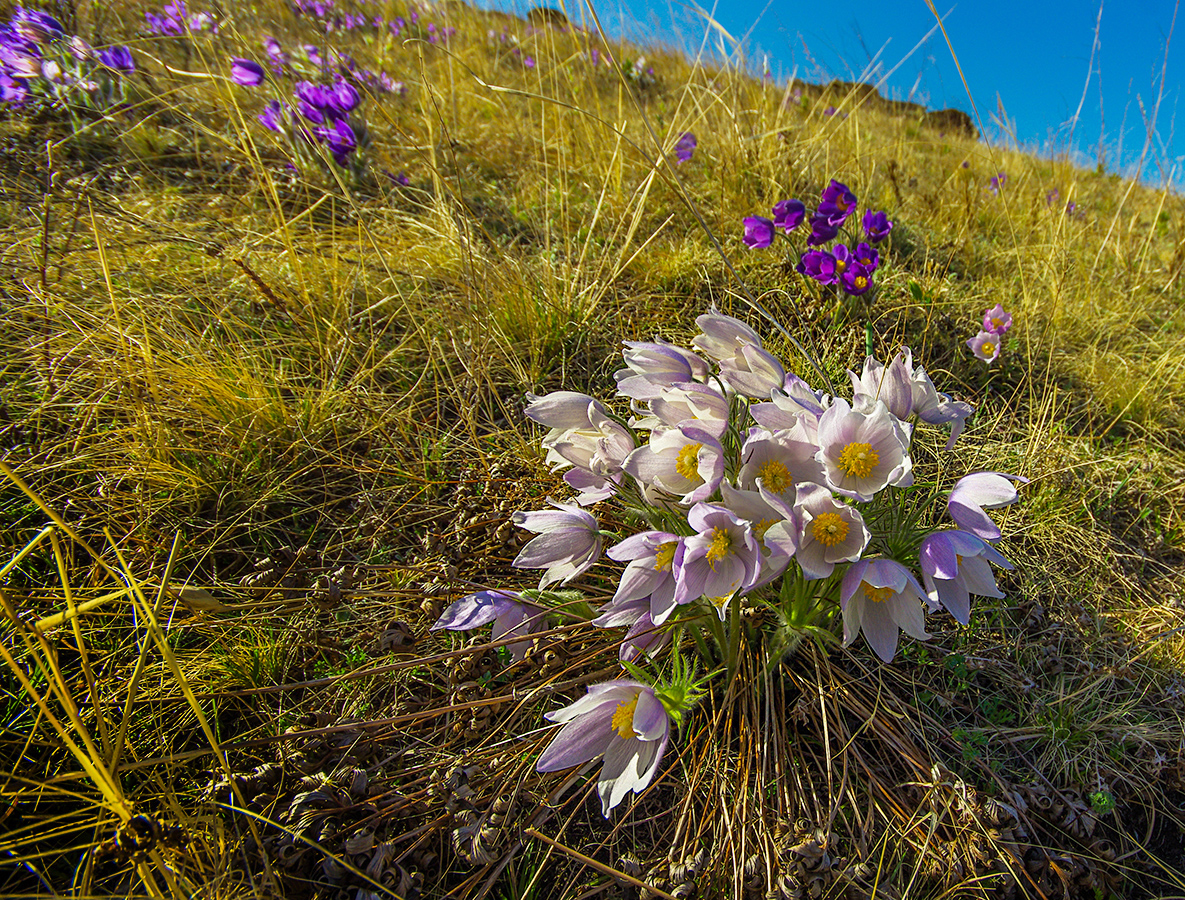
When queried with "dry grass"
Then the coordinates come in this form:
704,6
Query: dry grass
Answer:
258,428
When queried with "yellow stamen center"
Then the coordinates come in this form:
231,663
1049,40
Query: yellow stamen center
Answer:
720,546
860,282
664,556
623,717
988,348
840,266
876,594
760,528
996,323
829,529
719,602
858,459
687,463
775,476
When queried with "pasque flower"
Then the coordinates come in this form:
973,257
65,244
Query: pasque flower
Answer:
511,617
829,532
759,232
653,366
650,573
819,265
856,280
837,204
788,214
954,566
568,542
685,146
684,461
876,226
862,453
882,598
822,231
974,493
118,58
622,721
246,72
720,559
985,346
996,320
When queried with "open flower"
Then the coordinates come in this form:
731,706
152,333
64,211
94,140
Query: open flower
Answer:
881,598
837,204
568,542
683,461
861,453
856,280
829,532
985,346
506,609
622,721
954,566
719,560
996,320
979,491
650,574
779,460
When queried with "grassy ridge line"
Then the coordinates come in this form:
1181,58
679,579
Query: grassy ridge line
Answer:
155,388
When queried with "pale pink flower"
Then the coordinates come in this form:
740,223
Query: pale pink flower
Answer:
862,453
882,598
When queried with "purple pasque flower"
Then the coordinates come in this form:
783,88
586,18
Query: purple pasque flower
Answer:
974,493
997,180
996,320
822,231
651,367
683,461
34,25
12,92
118,58
862,453
685,146
837,204
512,617
882,598
819,265
955,566
828,532
276,54
568,542
843,259
778,462
341,140
867,256
701,406
315,102
650,573
876,225
344,96
856,280
759,232
272,117
622,721
719,560
246,72
788,214
985,346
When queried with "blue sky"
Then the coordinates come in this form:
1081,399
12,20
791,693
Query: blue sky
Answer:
1026,63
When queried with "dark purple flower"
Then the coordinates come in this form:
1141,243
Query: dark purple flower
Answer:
819,265
12,92
759,232
400,179
837,204
866,256
35,25
685,146
856,280
829,111
272,117
345,97
788,214
998,179
822,231
118,58
246,72
341,141
876,225
312,101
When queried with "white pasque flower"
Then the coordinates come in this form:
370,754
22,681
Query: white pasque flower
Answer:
583,436
568,542
683,461
624,722
828,532
882,598
861,453
955,566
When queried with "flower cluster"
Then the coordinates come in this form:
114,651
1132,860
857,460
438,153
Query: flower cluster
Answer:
176,20
320,116
40,62
849,268
986,344
746,482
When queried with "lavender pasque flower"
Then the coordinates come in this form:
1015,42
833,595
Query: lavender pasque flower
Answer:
759,232
246,72
568,542
882,598
511,617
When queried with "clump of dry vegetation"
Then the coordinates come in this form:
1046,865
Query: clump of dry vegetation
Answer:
261,422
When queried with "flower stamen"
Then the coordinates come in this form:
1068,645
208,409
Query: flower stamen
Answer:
858,459
720,546
775,476
876,594
687,463
664,556
623,717
830,529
